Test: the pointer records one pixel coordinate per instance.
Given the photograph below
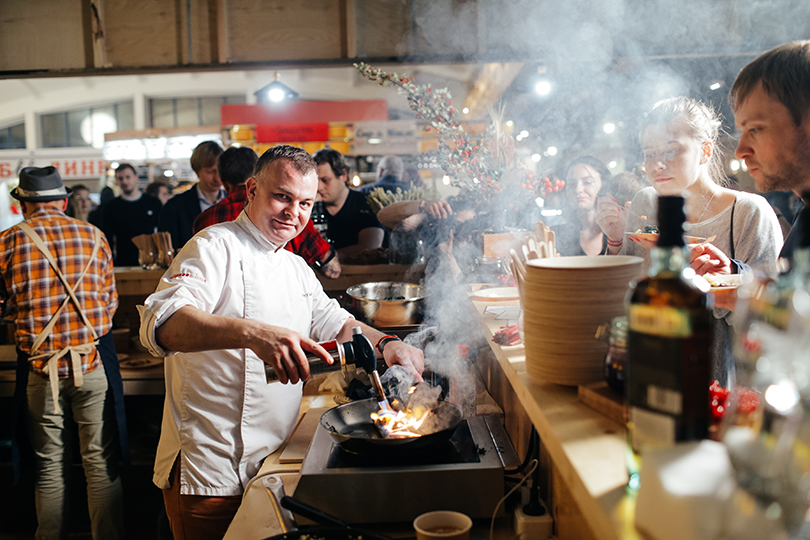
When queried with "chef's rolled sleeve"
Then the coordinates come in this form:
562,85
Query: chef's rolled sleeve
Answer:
196,278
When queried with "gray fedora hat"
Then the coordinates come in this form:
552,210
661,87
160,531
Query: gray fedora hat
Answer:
40,184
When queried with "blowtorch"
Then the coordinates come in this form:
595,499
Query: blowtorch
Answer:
348,356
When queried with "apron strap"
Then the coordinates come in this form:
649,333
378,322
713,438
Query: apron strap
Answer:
52,368
75,351
70,290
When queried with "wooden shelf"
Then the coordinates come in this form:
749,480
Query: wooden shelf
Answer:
586,448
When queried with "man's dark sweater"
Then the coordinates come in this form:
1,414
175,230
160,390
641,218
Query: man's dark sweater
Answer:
123,219
792,240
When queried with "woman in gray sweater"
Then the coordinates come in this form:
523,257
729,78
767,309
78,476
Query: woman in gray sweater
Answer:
681,155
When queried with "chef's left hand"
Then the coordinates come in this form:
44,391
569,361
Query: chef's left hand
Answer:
705,258
407,356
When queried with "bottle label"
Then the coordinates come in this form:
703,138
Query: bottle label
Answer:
665,400
650,429
664,321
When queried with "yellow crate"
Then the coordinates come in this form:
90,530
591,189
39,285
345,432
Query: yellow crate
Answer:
337,132
264,147
342,147
239,133
313,147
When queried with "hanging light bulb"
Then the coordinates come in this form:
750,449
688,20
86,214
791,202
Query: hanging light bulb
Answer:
276,91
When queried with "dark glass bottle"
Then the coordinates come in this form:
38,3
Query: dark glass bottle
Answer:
616,357
669,345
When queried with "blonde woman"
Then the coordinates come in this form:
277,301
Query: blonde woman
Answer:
682,156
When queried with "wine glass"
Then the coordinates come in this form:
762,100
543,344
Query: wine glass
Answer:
147,258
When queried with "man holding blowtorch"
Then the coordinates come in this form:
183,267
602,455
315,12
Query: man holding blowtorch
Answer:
232,301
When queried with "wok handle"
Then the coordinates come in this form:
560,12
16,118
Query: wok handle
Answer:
310,512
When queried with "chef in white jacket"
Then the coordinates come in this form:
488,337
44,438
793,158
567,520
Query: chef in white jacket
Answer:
233,301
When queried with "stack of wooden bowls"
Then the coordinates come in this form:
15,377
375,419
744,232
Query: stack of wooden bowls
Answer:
565,299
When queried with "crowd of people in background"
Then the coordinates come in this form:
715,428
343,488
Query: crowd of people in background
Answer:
244,208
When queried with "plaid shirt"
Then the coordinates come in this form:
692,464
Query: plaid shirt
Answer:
34,291
309,244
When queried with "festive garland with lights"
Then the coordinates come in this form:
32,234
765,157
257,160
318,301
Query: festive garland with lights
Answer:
462,159
463,156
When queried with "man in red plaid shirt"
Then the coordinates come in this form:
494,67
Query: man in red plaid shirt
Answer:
235,167
57,277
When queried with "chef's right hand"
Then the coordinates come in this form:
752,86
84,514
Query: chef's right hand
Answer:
283,350
611,217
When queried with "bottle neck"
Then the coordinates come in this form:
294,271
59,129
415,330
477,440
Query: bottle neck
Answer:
667,260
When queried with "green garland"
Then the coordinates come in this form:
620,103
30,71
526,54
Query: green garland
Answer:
469,168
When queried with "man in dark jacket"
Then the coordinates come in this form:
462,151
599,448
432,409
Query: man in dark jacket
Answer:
772,110
179,213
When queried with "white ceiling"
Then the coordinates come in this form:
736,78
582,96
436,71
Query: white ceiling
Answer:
45,95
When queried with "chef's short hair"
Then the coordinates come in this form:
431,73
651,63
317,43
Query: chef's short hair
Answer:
299,158
785,76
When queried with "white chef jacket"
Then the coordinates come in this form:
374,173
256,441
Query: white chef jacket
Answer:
220,413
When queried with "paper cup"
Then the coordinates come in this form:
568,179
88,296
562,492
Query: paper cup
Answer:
442,525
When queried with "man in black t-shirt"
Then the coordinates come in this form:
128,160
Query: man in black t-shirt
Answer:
351,225
126,216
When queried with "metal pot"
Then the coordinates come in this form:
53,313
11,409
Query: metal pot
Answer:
350,425
388,303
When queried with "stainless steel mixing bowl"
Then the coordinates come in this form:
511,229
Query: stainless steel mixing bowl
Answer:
388,303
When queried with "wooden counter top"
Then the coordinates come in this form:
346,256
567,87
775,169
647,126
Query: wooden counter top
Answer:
586,448
135,281
140,381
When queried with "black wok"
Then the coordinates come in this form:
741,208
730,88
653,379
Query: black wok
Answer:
351,426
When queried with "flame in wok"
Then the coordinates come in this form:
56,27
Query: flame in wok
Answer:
399,424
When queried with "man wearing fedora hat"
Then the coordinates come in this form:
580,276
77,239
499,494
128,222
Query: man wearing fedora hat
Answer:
58,282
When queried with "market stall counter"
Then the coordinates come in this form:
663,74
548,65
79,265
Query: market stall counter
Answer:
257,519
585,450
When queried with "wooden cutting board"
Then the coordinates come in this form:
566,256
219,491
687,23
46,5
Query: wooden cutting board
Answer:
299,441
599,397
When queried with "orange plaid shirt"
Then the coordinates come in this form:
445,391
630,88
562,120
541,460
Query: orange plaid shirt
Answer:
34,292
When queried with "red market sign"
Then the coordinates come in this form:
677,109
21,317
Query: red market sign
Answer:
68,168
271,133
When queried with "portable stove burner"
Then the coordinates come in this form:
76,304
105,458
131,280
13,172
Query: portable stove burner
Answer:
465,474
